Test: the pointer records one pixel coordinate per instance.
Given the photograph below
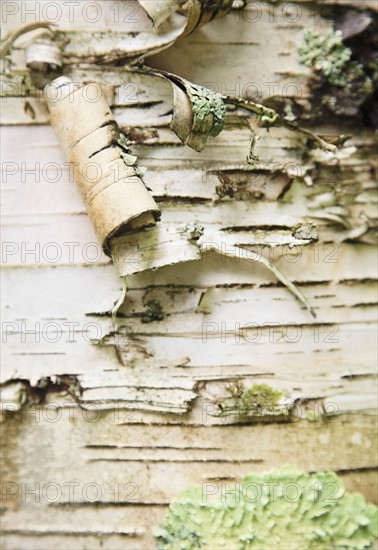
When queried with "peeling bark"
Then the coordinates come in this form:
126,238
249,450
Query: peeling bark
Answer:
136,402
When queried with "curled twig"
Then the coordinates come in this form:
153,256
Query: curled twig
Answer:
249,254
270,117
10,38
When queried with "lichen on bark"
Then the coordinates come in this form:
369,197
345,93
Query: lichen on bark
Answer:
283,509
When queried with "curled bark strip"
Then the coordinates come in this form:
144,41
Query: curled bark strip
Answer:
197,112
120,300
159,11
115,196
200,12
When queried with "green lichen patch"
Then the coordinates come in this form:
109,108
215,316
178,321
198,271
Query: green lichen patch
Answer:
128,158
327,54
193,230
259,400
345,82
197,114
285,510
206,104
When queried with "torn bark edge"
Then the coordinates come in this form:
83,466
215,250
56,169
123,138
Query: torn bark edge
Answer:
197,239
19,392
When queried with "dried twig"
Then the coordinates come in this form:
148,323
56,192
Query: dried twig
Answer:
10,38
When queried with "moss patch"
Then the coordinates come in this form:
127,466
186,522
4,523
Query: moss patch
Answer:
258,400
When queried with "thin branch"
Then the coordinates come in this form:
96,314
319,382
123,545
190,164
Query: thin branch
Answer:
280,276
270,117
10,38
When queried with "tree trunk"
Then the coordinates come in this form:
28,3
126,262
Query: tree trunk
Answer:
106,423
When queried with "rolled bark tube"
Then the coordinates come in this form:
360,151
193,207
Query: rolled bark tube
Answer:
115,196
